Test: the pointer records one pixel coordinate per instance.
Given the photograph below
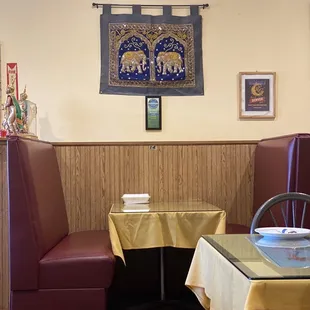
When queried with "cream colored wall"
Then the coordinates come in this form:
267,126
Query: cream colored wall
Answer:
56,46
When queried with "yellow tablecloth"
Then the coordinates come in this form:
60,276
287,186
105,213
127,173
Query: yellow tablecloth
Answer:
159,229
221,286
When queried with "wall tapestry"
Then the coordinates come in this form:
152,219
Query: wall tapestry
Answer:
151,55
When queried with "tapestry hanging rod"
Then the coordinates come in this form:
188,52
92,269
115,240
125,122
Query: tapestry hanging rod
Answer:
97,5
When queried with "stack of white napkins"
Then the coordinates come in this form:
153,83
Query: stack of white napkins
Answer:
136,208
136,198
136,202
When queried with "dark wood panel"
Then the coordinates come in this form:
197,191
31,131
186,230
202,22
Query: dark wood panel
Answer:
4,265
95,175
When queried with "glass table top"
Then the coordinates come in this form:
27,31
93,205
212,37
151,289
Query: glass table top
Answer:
259,258
195,206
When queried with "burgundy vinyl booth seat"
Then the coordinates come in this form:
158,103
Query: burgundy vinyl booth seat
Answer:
50,269
282,164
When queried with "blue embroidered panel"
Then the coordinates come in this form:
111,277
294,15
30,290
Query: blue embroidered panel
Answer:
151,55
134,60
169,58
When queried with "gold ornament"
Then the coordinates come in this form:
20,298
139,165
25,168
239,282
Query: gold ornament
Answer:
11,88
23,95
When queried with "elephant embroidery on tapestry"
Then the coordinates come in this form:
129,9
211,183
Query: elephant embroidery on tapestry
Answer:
151,55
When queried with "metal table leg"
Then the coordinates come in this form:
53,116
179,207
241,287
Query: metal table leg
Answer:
162,274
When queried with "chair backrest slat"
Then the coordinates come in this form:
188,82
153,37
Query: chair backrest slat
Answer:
294,213
273,218
284,211
303,214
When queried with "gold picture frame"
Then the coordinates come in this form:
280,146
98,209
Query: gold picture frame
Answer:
257,95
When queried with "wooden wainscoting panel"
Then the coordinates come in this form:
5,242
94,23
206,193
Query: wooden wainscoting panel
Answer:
84,179
94,176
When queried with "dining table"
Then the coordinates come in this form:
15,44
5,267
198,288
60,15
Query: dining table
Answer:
162,224
251,272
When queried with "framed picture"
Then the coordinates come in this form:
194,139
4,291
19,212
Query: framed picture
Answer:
153,113
257,92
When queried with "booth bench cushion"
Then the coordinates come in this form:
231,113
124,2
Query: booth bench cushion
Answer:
80,260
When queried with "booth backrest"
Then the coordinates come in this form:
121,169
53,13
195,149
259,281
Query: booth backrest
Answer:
281,165
37,212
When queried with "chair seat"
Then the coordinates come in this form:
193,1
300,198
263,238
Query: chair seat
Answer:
237,229
81,260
